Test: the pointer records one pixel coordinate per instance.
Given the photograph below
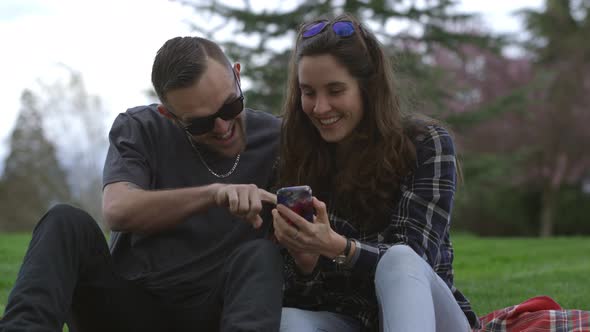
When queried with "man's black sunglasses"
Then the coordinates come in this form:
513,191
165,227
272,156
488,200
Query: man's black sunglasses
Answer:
228,111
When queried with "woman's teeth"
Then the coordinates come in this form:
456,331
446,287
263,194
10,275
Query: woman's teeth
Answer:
329,121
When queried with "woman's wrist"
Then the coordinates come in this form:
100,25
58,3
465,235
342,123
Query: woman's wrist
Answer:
305,263
335,246
305,268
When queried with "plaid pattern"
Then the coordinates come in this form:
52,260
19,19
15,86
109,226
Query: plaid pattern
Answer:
536,314
420,218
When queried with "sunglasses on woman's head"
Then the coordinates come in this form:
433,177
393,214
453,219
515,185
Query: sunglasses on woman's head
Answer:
203,125
340,28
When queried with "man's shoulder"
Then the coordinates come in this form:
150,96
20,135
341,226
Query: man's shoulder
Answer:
144,112
262,123
262,118
146,117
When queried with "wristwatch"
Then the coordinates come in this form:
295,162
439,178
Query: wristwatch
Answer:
341,259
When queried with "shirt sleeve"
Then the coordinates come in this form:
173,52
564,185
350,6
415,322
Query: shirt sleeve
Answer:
421,218
128,155
299,286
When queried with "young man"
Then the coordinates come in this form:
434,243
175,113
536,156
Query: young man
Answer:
183,195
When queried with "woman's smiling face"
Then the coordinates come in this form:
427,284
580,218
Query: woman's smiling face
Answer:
330,96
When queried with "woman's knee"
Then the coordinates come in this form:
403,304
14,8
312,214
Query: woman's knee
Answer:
295,320
298,320
399,261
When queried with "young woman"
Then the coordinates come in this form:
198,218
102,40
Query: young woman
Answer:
378,253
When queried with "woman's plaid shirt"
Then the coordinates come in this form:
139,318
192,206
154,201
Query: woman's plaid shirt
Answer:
421,219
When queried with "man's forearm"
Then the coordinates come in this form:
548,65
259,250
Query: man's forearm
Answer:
132,209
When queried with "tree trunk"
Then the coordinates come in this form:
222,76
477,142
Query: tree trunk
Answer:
547,211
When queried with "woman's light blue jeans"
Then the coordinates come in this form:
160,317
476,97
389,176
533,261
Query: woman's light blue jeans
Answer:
411,297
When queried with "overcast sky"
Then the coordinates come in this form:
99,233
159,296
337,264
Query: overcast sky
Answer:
113,42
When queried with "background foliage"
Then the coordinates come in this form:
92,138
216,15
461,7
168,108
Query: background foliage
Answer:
520,121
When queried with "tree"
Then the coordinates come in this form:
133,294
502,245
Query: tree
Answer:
528,112
72,126
559,107
531,112
490,96
33,179
258,39
76,124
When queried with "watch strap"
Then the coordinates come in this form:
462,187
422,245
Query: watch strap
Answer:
347,248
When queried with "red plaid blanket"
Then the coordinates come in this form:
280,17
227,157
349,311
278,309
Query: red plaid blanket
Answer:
537,314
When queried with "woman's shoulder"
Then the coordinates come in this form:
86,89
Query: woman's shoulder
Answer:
430,138
433,133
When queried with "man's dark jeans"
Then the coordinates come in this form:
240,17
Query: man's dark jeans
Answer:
68,276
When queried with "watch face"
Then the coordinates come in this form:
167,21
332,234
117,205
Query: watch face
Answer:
340,259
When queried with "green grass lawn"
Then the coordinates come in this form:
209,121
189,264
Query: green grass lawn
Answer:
499,272
492,272
12,250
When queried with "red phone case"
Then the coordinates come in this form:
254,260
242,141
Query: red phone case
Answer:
298,199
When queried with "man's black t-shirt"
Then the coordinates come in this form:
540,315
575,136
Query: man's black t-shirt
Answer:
150,151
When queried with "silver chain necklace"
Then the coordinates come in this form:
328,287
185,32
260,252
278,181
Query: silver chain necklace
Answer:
219,176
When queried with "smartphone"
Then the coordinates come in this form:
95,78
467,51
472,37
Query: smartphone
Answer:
297,199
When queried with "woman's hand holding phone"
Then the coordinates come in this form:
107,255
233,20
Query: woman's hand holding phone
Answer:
303,237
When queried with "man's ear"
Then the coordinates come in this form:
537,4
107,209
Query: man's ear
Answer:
164,111
237,68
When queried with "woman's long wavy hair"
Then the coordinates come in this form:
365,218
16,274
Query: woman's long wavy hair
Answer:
379,153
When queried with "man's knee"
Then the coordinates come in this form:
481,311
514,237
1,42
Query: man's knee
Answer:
67,218
261,250
259,258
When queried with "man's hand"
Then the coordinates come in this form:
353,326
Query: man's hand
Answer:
244,201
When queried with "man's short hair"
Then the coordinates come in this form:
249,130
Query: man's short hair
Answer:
181,62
